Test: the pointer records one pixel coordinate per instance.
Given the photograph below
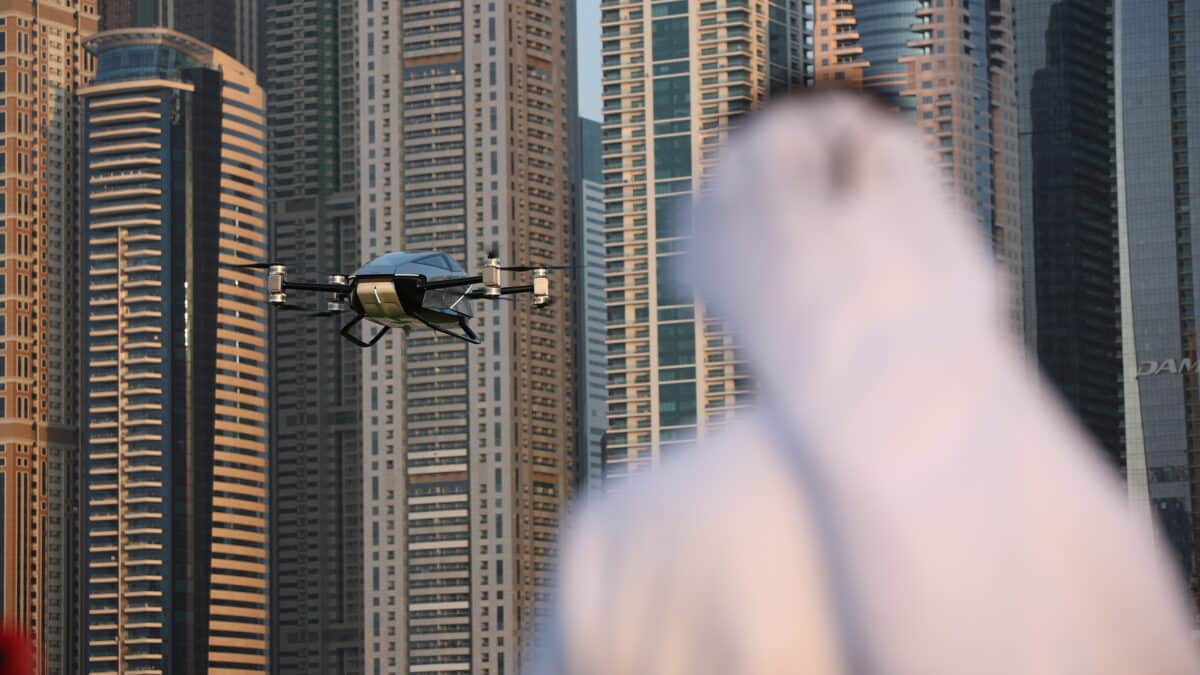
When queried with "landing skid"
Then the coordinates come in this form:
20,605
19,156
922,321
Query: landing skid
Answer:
353,338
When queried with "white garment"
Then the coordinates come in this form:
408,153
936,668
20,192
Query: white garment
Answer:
904,476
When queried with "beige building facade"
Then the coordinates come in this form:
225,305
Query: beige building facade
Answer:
465,128
42,65
677,75
174,452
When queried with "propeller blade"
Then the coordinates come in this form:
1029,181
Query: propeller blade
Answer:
494,251
264,264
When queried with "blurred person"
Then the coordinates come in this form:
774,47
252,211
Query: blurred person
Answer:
16,650
907,496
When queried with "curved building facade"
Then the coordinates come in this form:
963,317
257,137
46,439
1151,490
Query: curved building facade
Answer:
174,356
948,65
1156,59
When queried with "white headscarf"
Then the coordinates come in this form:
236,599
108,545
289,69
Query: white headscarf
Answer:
908,498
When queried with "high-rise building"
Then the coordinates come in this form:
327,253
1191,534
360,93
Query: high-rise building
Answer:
42,65
316,487
676,76
174,355
228,25
590,319
1068,206
948,64
466,122
1157,89
129,13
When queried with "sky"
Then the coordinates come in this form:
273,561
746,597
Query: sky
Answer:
587,18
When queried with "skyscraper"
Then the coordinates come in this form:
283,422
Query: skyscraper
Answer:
1157,72
466,122
590,319
676,77
316,490
948,64
174,359
42,66
129,13
1068,206
229,25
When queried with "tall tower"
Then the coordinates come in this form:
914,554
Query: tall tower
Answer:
174,359
590,319
677,75
39,207
129,13
465,120
949,66
1068,206
1157,71
316,493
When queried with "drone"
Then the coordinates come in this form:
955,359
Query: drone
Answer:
404,290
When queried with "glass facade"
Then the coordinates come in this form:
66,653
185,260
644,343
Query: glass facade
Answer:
229,25
677,76
1157,54
467,114
885,34
142,61
317,543
948,65
174,360
1069,216
589,460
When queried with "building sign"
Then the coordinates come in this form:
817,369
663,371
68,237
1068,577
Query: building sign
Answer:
1170,366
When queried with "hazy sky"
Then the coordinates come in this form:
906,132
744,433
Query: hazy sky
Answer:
587,16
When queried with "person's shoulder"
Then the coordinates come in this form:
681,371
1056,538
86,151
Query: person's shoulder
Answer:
728,473
742,446
724,525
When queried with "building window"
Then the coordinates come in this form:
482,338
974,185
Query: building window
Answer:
669,39
672,157
677,404
669,220
676,344
672,97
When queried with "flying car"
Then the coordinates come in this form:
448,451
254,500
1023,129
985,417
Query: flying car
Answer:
404,290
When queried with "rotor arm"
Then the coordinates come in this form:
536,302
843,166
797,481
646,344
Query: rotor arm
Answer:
320,288
503,290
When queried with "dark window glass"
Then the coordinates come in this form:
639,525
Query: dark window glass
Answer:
672,97
670,291
674,68
673,374
676,344
670,218
672,157
669,8
670,38
677,404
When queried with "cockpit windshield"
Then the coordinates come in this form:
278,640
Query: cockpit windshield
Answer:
406,263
